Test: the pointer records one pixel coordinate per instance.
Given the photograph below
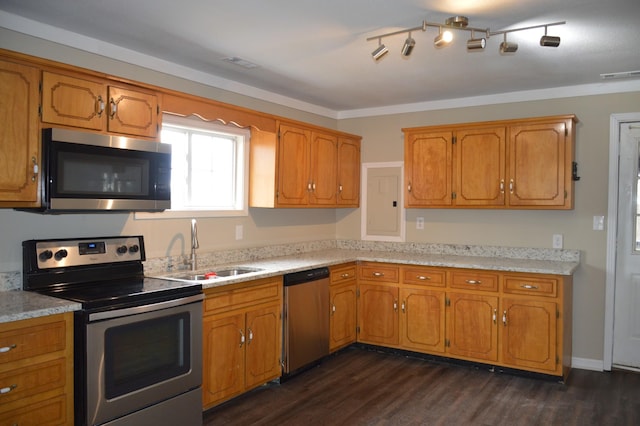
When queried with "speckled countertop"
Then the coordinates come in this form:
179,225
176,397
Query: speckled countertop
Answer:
16,304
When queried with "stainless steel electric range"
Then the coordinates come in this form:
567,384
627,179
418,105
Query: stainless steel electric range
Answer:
138,340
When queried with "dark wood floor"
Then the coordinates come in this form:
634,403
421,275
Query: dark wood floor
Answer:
359,386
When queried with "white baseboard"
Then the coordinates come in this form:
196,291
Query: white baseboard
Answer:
587,364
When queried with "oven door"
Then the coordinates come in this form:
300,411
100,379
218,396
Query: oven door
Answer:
141,356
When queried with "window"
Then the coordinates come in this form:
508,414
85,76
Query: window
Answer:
209,168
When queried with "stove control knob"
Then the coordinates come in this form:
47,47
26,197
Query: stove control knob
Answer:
61,254
46,255
122,249
134,248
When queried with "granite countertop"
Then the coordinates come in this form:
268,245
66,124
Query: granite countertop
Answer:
16,304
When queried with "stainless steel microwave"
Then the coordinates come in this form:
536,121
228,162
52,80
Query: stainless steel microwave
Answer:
85,172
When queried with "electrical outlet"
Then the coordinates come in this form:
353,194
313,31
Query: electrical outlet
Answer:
598,223
239,232
420,223
557,241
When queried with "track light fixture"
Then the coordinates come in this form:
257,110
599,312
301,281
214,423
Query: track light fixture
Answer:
380,51
549,41
460,23
408,46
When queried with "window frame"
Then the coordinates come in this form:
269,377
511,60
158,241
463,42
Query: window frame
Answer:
196,122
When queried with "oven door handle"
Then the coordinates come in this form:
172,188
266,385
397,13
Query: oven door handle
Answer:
96,316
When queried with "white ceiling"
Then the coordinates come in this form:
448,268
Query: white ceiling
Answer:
314,52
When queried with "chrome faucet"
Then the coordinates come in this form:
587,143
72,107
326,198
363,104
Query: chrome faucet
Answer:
194,245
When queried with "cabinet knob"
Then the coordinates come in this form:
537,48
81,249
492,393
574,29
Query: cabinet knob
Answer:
7,348
504,318
404,307
250,336
99,106
395,305
495,316
242,339
333,309
409,187
7,389
113,106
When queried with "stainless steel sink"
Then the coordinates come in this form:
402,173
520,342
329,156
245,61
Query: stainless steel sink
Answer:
221,273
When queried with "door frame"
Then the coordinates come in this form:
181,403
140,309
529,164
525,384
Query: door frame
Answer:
363,210
612,231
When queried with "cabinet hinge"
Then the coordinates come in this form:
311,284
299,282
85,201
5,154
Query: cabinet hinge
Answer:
454,139
566,132
40,111
358,329
447,343
453,195
157,109
557,360
565,195
358,293
447,301
557,313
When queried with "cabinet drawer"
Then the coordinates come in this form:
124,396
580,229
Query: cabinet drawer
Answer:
34,379
473,280
424,276
343,273
253,293
43,413
379,272
533,286
25,342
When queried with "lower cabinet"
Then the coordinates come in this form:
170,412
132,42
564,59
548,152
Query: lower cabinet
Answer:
514,320
342,299
242,339
36,371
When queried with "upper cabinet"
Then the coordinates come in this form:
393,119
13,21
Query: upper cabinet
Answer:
518,164
304,167
19,134
100,105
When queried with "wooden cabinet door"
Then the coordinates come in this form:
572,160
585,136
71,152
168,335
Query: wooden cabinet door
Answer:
264,345
223,359
378,314
133,112
294,148
342,320
19,133
324,168
72,101
529,334
422,320
538,171
428,165
480,167
472,326
348,172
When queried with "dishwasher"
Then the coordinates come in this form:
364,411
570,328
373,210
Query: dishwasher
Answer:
306,320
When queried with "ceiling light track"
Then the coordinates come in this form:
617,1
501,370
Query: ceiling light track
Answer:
461,23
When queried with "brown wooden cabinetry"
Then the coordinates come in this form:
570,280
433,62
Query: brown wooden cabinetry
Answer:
472,331
304,167
95,104
242,338
342,299
19,134
378,303
36,371
516,164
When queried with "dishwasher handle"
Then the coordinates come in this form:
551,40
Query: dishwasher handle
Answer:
305,276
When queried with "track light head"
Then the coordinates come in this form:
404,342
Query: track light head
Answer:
408,46
443,38
476,43
549,41
507,47
380,51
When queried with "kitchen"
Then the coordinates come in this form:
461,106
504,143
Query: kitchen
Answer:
382,142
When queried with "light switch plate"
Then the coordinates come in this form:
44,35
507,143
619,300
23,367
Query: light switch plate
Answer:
239,232
420,223
557,241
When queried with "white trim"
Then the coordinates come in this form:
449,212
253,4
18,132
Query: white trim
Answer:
586,364
67,38
363,210
612,230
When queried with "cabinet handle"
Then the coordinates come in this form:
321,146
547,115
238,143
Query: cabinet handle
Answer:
502,186
409,187
99,106
529,286
395,305
512,186
309,187
7,348
473,282
423,278
339,188
504,318
313,186
333,308
404,307
242,339
495,316
250,336
114,108
7,389
345,275
378,274
36,169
